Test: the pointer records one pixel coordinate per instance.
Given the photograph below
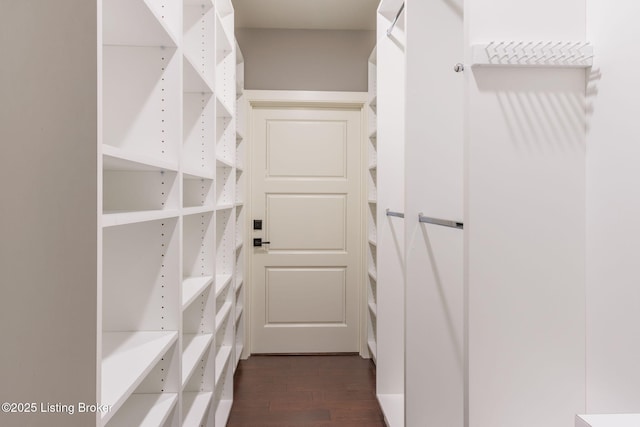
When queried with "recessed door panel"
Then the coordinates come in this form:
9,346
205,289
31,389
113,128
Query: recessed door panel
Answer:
305,296
306,149
306,222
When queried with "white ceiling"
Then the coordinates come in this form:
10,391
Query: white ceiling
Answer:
306,14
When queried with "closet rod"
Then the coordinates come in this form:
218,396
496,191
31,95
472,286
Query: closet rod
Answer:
443,222
392,213
393,24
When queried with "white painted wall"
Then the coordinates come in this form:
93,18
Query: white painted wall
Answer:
525,223
320,60
48,212
613,209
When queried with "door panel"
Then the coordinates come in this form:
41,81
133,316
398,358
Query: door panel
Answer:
306,222
305,295
310,149
306,172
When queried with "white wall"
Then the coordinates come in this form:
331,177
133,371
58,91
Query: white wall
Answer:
48,207
613,209
525,223
323,60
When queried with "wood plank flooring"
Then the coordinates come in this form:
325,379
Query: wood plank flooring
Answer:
305,391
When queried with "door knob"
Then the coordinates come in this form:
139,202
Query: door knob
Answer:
258,242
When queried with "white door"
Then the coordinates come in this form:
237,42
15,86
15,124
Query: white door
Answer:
306,190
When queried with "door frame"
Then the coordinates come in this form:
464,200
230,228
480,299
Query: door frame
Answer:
315,99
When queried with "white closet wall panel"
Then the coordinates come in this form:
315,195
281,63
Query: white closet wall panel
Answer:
504,19
525,223
390,229
613,294
434,349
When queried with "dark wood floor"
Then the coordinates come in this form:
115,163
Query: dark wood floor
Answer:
305,391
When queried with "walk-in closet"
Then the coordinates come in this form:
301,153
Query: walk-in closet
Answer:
357,213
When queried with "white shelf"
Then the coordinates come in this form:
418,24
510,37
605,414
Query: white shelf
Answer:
239,349
127,357
145,410
115,158
239,314
373,166
371,344
239,135
195,345
239,283
196,210
197,174
373,308
195,406
194,80
224,7
372,242
225,206
223,411
239,245
113,218
373,134
221,361
134,23
608,420
208,4
373,201
373,275
222,315
239,203
193,287
554,54
224,162
222,110
223,43
392,406
222,281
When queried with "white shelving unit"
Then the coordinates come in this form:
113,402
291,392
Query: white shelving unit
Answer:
240,216
371,209
168,225
145,410
388,140
486,330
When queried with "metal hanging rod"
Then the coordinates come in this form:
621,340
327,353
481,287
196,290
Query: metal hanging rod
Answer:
393,24
391,213
443,222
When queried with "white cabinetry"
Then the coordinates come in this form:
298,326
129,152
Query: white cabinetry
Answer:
484,317
371,210
389,144
168,227
240,217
